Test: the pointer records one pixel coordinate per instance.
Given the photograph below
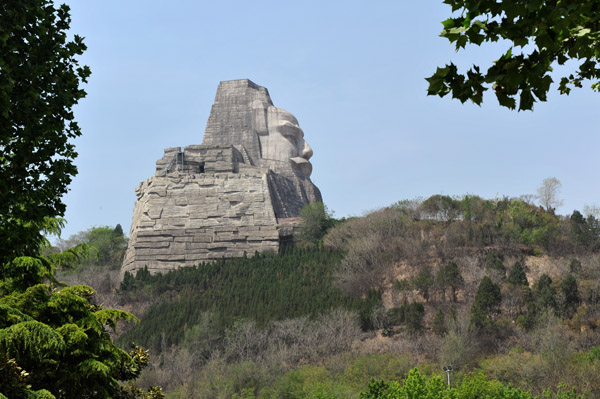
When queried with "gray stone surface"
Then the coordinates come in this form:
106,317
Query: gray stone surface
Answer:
238,192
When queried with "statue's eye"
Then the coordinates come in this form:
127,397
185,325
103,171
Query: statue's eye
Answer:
290,130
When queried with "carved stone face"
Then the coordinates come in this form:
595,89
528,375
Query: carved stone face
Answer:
285,140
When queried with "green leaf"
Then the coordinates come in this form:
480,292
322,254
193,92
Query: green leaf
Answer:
449,23
580,31
505,100
526,100
91,367
110,317
32,340
72,334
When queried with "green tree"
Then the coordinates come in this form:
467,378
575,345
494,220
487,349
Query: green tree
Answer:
423,282
583,232
57,337
486,304
495,267
315,220
545,293
575,266
441,207
517,275
53,341
540,34
413,317
450,276
414,386
110,243
570,294
39,85
439,323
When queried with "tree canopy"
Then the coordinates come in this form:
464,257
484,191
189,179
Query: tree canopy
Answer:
315,220
40,81
540,34
54,341
487,302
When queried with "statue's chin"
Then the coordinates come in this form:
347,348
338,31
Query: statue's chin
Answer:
303,164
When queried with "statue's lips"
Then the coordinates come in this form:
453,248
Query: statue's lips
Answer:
304,165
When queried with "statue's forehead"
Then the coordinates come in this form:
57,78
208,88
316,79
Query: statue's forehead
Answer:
283,115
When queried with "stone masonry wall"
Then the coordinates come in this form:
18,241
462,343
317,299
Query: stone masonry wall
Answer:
184,219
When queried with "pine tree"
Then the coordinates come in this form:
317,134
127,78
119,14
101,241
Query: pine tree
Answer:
453,278
413,317
517,275
495,267
571,294
487,303
423,282
439,323
544,293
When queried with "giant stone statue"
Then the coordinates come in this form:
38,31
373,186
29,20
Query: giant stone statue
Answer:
238,192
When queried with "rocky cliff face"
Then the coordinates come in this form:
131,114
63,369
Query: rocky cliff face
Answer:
236,193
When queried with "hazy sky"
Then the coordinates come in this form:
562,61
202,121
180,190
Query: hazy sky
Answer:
352,72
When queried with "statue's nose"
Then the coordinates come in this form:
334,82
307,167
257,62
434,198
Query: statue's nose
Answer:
307,152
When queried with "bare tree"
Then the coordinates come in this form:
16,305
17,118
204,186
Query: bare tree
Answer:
548,193
245,341
591,210
362,267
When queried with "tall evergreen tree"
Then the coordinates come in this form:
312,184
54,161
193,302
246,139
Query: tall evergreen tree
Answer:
439,323
570,294
423,282
495,267
486,304
517,275
545,293
453,278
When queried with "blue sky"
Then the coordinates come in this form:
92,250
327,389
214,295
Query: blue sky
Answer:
352,72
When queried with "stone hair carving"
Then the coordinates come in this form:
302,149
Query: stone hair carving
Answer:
244,116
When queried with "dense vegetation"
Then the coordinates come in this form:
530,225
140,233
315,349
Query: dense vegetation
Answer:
108,243
415,385
264,288
422,232
54,340
502,286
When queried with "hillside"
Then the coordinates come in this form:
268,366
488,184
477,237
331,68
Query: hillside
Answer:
502,286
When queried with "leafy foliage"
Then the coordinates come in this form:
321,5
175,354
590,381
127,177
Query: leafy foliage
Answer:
439,323
539,34
23,271
39,85
315,220
415,385
108,243
570,294
545,293
423,282
449,276
55,341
